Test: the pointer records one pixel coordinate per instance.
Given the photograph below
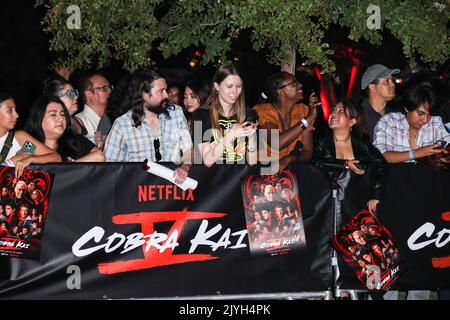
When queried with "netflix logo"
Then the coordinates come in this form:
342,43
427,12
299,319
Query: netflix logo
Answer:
164,192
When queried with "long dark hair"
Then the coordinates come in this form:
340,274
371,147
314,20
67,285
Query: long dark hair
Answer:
68,145
355,111
117,104
140,81
200,89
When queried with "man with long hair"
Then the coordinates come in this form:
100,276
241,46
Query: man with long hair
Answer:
153,128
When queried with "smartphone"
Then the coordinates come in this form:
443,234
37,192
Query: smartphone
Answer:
252,116
442,146
28,147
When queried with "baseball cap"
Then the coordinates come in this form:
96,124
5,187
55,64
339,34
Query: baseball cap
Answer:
376,71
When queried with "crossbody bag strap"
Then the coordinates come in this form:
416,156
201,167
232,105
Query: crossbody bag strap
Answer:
7,145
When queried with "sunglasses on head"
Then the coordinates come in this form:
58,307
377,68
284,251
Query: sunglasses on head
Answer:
72,93
156,145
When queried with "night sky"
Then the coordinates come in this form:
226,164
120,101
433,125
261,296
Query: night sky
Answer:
23,51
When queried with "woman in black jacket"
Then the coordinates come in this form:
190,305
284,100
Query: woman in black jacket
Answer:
347,147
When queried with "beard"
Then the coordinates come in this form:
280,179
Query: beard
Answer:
160,108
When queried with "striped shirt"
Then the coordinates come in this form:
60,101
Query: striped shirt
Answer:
126,143
392,133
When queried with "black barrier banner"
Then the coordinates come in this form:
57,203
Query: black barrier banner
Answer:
416,199
417,212
115,231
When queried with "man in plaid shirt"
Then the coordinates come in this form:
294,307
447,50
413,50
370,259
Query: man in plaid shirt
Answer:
153,129
412,133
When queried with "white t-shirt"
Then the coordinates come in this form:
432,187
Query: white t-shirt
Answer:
90,120
13,150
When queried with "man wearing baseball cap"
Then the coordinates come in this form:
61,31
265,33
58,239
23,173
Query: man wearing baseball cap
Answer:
378,81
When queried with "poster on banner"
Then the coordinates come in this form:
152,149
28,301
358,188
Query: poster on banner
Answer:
273,213
368,247
24,203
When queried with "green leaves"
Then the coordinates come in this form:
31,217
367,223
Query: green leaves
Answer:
128,30
109,30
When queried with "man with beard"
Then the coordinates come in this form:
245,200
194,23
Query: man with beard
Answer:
152,129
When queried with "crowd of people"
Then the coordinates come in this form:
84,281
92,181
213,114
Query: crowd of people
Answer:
212,124
142,118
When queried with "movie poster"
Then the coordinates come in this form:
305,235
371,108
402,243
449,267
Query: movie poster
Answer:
23,212
273,213
368,247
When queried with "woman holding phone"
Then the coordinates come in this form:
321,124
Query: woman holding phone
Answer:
18,148
233,139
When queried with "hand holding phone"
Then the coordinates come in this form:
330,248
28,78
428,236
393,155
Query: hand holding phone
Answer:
442,145
252,116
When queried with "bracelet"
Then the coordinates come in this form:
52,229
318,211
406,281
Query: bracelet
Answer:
9,162
304,123
411,154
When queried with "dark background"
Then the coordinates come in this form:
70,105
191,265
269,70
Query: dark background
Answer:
25,60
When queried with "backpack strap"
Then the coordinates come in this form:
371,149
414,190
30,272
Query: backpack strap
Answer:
7,145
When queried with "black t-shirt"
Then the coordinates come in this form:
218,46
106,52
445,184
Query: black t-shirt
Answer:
234,154
74,146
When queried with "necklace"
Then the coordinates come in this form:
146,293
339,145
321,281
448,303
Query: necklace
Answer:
283,122
341,140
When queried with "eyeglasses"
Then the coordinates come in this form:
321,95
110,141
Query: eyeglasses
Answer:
107,88
158,155
288,84
71,94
